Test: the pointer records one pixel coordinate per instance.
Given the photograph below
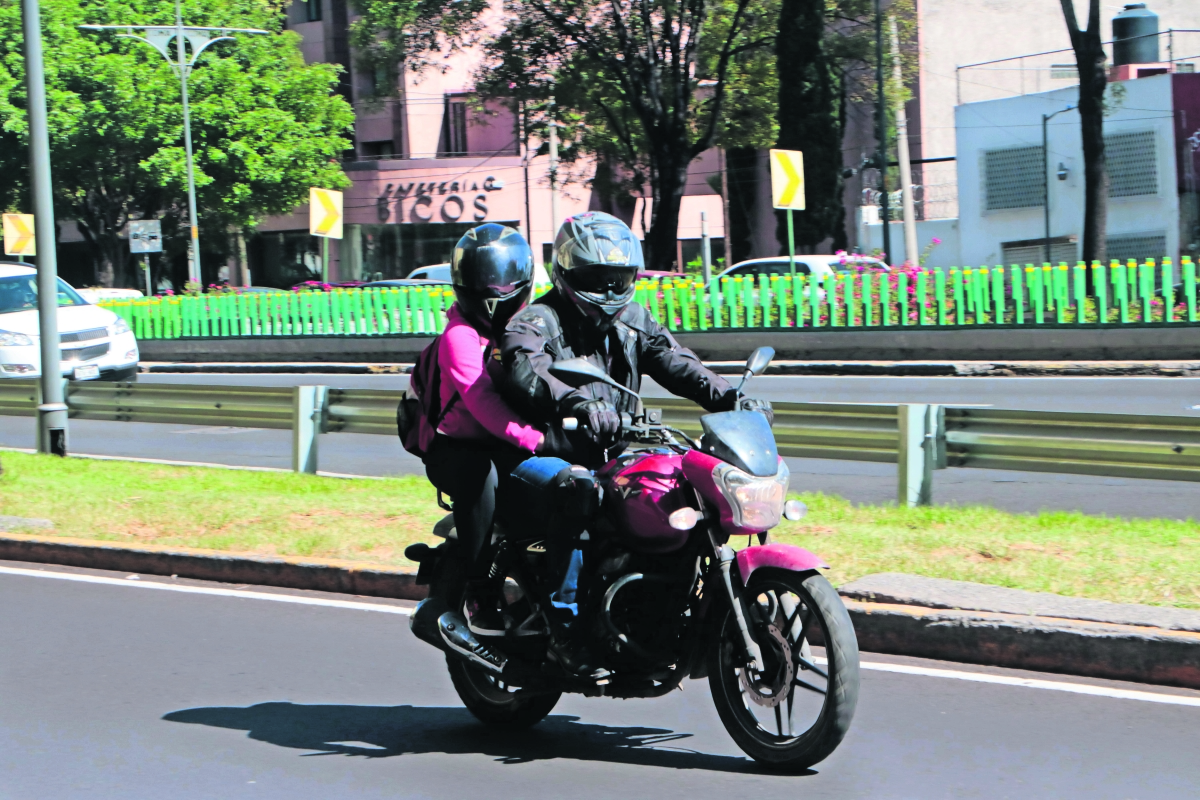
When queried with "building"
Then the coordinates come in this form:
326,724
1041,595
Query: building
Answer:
430,164
970,56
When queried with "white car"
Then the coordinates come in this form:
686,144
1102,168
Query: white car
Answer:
95,342
819,265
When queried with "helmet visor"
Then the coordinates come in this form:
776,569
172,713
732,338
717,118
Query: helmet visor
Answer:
602,280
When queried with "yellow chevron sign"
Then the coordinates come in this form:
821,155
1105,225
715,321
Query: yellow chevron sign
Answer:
325,213
787,179
18,235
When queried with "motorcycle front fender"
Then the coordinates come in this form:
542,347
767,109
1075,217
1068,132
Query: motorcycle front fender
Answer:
776,554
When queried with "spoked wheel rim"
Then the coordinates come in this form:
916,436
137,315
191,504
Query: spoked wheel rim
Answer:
788,700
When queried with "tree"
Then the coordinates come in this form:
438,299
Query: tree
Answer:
646,79
265,126
1090,61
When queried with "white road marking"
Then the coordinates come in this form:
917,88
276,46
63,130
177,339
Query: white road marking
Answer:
878,666
167,587
1033,683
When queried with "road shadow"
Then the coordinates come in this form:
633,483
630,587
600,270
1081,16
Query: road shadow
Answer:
388,731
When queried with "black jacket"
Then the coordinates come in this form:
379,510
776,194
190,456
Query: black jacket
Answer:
636,344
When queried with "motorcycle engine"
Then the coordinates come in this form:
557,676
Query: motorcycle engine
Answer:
641,616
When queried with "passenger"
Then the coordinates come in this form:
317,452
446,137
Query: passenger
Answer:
480,439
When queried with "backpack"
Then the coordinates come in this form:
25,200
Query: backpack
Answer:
420,411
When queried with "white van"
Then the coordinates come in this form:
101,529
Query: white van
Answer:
96,343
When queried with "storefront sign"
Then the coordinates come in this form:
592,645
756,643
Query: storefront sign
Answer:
438,201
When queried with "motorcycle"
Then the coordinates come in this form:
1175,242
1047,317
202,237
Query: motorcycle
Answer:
662,595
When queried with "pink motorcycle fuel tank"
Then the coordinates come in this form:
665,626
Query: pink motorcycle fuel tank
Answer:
641,491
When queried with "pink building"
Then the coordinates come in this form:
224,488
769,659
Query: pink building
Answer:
426,167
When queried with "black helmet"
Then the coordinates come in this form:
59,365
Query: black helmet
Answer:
596,262
492,273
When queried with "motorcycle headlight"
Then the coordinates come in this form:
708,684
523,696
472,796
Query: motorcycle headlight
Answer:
757,503
118,327
10,339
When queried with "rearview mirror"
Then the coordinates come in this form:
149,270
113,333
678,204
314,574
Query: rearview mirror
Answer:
756,364
577,372
759,360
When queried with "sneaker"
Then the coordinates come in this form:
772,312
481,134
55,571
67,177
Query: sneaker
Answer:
483,616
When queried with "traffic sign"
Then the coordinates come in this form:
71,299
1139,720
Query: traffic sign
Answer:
787,179
325,213
18,235
145,236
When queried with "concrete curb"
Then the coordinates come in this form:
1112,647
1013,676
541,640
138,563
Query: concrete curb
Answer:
1047,644
1052,644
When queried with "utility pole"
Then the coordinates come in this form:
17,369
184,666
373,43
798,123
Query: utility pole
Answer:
52,408
553,171
881,158
705,249
159,37
906,189
1046,179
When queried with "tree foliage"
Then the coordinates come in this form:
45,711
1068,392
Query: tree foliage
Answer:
647,80
265,126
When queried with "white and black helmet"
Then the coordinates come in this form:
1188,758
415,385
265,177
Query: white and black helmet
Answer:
596,263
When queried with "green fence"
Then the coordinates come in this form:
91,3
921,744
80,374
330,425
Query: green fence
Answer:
1131,293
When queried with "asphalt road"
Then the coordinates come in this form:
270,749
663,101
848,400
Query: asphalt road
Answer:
123,691
860,482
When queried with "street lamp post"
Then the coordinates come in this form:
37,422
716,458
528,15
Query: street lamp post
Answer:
52,410
159,37
1046,178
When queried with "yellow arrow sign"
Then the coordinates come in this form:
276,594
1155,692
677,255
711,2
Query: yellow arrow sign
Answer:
325,213
787,179
18,235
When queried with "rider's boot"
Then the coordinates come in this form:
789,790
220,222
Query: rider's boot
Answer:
573,655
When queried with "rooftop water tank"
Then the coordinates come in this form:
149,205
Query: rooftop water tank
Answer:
1135,39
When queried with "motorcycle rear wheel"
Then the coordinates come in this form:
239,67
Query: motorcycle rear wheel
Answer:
789,604
495,703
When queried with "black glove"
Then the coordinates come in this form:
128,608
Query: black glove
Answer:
603,421
761,406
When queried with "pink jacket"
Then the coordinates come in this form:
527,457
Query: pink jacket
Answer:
479,412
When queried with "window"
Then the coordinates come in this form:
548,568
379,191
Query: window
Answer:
312,10
455,128
380,149
1033,251
1132,164
1185,66
781,267
19,293
1064,72
1138,246
1013,178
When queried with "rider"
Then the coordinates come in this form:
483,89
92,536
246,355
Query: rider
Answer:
480,439
589,314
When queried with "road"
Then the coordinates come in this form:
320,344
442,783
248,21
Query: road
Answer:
124,691
860,482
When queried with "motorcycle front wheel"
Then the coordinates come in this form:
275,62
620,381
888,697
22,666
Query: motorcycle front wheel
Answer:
797,711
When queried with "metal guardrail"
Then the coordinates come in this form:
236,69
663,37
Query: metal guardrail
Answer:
919,438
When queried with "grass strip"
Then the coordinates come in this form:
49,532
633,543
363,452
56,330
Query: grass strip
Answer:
275,513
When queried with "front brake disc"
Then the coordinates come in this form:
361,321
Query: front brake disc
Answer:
770,689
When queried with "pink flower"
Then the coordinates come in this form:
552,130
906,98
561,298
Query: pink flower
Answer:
936,241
